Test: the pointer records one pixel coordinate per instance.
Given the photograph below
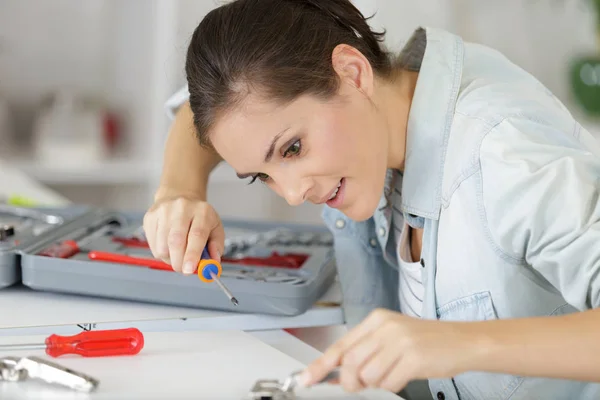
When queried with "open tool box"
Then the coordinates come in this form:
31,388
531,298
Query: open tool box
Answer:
20,227
277,269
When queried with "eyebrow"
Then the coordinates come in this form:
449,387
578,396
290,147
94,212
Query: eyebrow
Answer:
269,153
271,150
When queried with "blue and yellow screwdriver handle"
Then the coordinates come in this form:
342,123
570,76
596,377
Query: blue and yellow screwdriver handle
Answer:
207,267
210,270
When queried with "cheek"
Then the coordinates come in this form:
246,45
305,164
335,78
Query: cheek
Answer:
341,138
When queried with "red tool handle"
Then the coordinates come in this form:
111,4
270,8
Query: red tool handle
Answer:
65,249
290,260
118,342
124,259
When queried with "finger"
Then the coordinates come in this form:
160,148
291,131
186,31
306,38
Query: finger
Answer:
397,377
376,369
178,234
349,380
196,241
355,358
162,235
332,357
149,224
216,241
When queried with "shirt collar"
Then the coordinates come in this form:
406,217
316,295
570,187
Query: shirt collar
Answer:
429,123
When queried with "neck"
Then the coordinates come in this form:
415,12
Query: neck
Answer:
396,98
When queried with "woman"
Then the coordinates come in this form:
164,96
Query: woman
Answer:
462,195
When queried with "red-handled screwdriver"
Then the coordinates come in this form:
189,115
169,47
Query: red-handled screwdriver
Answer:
125,259
103,343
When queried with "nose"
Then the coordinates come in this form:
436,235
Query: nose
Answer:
295,191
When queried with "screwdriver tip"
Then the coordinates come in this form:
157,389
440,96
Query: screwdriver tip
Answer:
234,301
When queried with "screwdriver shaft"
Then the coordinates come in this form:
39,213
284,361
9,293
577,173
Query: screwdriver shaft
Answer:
224,288
24,346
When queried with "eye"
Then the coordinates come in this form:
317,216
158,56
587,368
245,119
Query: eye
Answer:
294,149
260,176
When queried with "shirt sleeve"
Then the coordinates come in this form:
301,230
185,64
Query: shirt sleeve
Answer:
176,100
540,196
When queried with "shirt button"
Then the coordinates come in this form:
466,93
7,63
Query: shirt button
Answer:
373,242
381,232
422,262
441,396
340,223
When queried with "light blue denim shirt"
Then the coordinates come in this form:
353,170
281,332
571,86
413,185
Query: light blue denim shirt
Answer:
504,183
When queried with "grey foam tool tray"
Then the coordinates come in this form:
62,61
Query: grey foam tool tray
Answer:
27,226
287,295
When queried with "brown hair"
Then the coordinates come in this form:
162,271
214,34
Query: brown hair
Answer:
281,48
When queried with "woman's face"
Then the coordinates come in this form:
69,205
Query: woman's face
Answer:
331,151
310,150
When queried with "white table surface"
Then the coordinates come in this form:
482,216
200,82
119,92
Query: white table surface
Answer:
181,365
36,312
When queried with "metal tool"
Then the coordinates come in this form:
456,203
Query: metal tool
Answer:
6,231
291,382
102,343
276,260
264,276
31,213
271,389
68,248
14,369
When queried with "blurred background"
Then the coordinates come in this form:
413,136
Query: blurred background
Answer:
83,86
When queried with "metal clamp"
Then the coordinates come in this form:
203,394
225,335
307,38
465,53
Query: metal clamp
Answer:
270,389
13,369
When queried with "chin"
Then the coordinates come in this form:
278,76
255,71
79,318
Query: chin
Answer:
362,210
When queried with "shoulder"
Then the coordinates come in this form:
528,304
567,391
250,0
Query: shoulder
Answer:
500,107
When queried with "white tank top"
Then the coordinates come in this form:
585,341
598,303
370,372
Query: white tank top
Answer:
410,285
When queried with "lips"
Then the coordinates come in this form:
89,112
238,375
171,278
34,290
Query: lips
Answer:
331,194
335,191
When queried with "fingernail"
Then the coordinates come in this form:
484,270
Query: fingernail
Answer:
188,268
304,378
218,256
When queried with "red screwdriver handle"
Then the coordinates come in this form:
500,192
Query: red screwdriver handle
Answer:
65,249
117,342
125,259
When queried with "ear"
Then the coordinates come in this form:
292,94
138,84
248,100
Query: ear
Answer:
353,68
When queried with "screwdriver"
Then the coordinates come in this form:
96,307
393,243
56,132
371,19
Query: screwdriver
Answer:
210,270
102,343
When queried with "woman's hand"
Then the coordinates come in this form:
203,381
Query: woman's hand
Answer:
178,228
388,349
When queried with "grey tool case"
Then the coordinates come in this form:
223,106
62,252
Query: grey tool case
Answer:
260,289
21,227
